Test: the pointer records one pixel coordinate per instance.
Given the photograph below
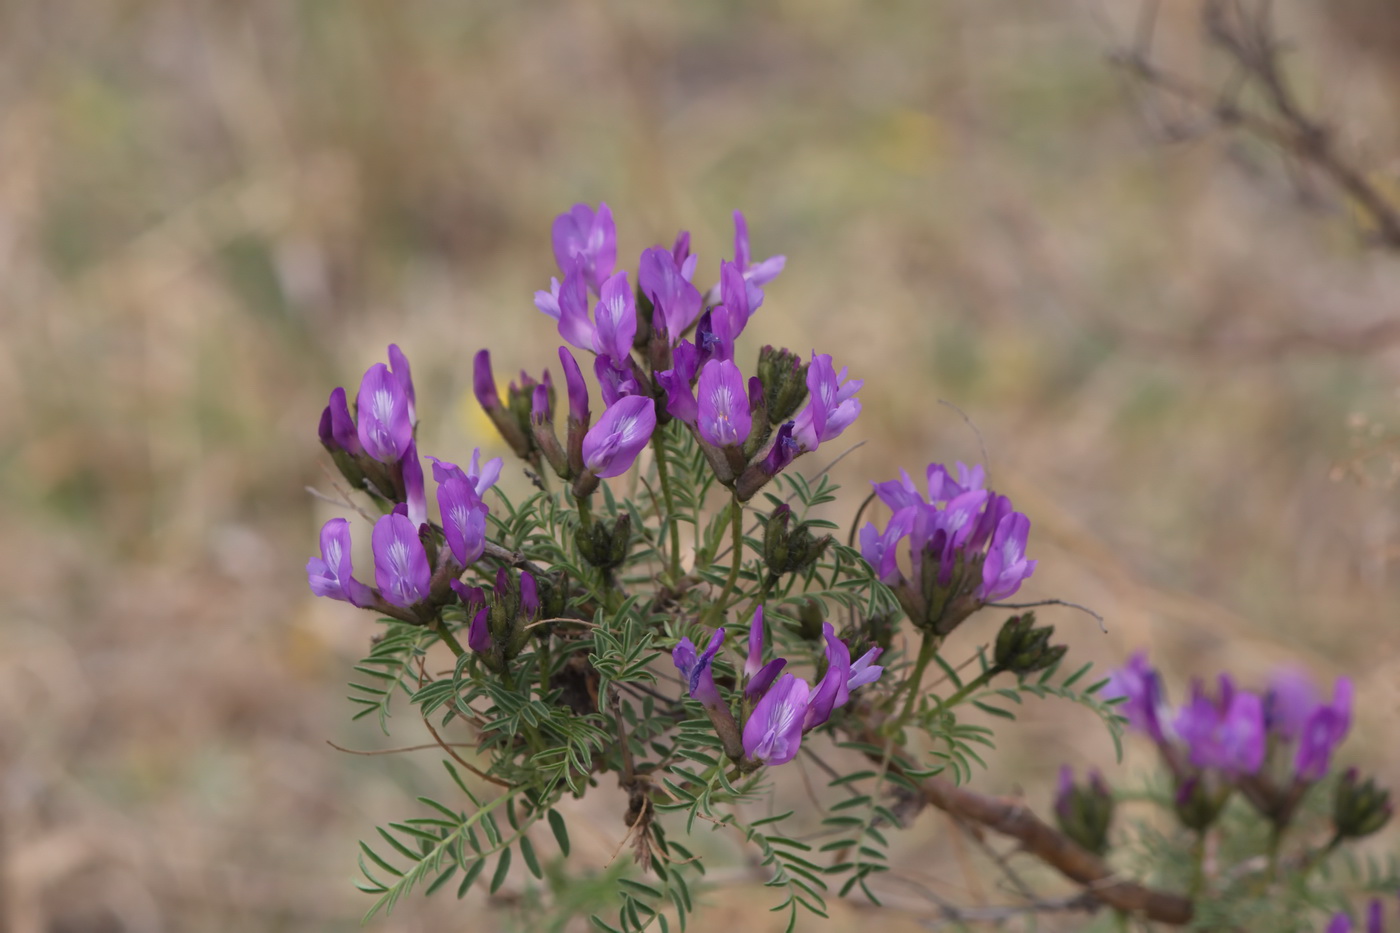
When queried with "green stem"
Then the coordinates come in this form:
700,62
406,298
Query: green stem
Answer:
664,477
927,649
448,638
585,511
1198,865
736,545
1275,843
977,683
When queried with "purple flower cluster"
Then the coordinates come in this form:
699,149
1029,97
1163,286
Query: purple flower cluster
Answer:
966,547
666,350
780,710
1271,745
376,449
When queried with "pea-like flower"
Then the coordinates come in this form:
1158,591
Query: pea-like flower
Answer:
331,574
773,733
400,563
698,668
587,238
611,445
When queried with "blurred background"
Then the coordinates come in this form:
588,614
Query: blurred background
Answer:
213,213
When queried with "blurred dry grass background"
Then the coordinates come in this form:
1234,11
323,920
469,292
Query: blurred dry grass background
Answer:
212,213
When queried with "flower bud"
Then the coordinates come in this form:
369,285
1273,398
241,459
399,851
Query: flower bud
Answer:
1359,809
788,549
516,435
810,616
1084,812
1024,649
1197,804
784,378
605,546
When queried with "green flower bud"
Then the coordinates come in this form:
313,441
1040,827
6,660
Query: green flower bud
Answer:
1359,809
789,549
1198,805
784,378
1084,812
605,545
1022,648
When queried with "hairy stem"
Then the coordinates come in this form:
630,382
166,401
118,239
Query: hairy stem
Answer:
977,683
664,477
736,546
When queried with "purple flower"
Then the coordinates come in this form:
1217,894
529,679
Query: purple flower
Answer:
1146,704
740,297
1289,701
723,418
400,563
578,389
616,379
1341,923
676,382
331,574
759,273
783,451
398,365
760,682
716,333
1322,732
483,382
587,238
832,690
1006,567
415,498
864,670
1374,917
478,634
385,428
665,280
611,445
341,426
616,315
1226,733
773,732
698,669
755,659
463,512
832,405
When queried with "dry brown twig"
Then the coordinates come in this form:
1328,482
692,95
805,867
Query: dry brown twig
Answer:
1243,33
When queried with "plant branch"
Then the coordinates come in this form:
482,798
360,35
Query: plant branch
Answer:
1010,818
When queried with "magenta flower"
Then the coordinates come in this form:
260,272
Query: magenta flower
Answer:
331,574
587,238
415,498
1146,706
677,381
339,425
722,416
665,278
773,732
385,429
611,445
1225,733
483,382
755,658
698,669
463,512
577,387
616,378
759,273
831,407
864,670
1006,567
1323,730
398,365
400,563
758,685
